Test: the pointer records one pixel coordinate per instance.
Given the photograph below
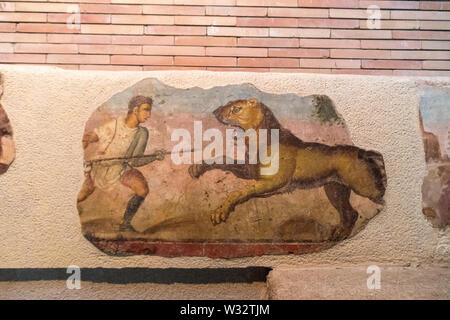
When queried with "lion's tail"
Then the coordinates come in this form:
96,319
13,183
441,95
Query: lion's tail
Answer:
376,163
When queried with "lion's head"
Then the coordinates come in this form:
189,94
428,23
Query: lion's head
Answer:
247,114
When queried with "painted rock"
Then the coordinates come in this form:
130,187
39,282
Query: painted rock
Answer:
7,148
227,172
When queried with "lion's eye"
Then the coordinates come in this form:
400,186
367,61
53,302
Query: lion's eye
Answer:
236,110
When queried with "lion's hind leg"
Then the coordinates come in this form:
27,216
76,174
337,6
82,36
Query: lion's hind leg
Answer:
339,196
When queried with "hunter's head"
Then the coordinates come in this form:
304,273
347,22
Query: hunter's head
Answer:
141,107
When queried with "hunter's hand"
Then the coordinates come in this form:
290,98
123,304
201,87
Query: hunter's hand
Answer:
160,155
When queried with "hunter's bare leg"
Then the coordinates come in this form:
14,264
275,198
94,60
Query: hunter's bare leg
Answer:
134,180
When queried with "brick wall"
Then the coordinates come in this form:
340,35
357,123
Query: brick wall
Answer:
327,36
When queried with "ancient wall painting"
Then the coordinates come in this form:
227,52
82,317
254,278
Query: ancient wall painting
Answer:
229,171
435,127
7,148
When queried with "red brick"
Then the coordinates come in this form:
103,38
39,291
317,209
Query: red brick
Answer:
45,48
22,17
201,20
110,67
329,43
298,12
22,37
391,64
205,41
139,1
142,60
236,52
436,65
78,58
299,32
314,33
393,24
237,11
438,45
152,68
43,7
174,10
284,32
356,13
150,40
421,15
421,55
390,44
268,62
7,6
111,29
328,3
268,42
175,30
18,58
267,22
84,18
378,72
434,5
328,23
434,25
330,63
78,38
360,54
240,32
141,19
46,28
205,61
206,2
108,8
7,27
267,3
78,1
109,49
390,4
173,50
299,53
6,48
425,35
362,34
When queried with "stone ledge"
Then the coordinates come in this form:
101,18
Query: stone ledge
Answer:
350,282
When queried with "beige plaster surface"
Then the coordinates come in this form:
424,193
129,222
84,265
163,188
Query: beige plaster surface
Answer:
49,107
354,282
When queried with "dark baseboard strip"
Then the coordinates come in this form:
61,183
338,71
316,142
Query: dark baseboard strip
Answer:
141,275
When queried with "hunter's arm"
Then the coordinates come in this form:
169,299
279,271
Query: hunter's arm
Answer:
139,151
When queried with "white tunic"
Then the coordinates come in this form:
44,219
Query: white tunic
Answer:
114,140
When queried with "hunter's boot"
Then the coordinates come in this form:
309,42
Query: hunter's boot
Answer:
132,207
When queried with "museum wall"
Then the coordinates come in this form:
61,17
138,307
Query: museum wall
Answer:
320,36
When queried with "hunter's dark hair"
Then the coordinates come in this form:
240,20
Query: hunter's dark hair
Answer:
137,101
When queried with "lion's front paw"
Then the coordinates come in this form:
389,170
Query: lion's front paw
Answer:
340,233
220,215
195,170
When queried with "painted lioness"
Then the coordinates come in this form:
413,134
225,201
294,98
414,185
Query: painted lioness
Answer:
339,169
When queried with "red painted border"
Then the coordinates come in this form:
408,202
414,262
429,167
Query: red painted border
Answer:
205,249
